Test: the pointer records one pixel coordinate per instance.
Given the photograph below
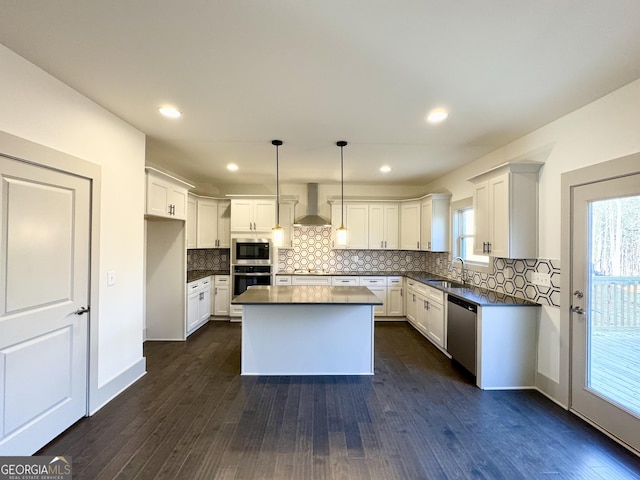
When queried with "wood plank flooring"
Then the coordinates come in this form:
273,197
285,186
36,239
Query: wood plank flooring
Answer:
193,417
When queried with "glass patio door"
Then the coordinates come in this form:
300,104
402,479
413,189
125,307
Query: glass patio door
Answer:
605,318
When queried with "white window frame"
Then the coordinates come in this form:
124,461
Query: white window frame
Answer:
456,208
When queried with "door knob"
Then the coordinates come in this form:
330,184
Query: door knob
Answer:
82,311
578,310
578,294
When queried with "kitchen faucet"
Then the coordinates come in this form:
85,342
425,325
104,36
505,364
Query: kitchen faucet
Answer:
462,273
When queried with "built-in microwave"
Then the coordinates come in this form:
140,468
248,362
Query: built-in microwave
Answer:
251,251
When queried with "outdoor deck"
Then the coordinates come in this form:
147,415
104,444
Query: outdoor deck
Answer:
615,365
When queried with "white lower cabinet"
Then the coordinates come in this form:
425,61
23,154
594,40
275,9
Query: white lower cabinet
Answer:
284,280
198,304
345,281
435,316
395,298
221,295
378,285
424,309
323,280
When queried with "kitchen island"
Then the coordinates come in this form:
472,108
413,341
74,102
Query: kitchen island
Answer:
307,330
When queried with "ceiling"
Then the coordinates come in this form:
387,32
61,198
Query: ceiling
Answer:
313,72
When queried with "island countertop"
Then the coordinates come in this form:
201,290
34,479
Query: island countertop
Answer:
306,295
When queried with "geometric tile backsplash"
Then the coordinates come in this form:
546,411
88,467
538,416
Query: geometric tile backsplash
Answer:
312,250
208,259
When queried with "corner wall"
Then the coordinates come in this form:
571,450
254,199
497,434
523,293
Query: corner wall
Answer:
35,106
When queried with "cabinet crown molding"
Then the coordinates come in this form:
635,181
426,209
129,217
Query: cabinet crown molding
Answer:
516,167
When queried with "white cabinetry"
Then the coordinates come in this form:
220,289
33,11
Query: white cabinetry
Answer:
287,215
224,224
383,226
221,295
435,316
410,226
208,222
425,310
192,221
198,304
255,217
166,196
311,280
505,202
434,223
345,281
378,285
395,298
357,223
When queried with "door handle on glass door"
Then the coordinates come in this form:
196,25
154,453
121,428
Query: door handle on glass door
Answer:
578,310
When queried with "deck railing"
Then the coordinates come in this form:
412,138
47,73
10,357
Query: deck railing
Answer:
615,301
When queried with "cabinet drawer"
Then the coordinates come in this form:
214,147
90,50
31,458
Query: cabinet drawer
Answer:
193,286
373,281
222,280
435,295
205,282
283,279
421,288
310,280
345,281
394,281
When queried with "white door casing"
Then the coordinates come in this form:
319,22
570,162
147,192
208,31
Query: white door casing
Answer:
44,266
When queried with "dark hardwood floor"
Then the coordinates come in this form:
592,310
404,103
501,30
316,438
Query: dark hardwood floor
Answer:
193,417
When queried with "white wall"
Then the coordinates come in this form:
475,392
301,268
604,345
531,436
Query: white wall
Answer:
603,130
37,107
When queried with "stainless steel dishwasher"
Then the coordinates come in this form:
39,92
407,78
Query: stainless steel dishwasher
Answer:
462,332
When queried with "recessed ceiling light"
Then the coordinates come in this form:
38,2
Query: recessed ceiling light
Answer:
385,169
438,115
232,167
170,112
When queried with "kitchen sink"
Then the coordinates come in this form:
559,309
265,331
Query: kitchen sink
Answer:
446,284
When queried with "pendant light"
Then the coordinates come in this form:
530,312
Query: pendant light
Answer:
341,232
278,231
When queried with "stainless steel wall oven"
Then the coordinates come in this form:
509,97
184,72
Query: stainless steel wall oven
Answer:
245,276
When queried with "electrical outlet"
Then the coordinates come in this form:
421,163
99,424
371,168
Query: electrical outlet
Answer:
111,278
542,279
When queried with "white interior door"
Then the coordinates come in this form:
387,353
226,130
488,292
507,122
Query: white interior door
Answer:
44,273
605,318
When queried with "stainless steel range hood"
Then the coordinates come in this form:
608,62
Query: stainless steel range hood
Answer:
312,218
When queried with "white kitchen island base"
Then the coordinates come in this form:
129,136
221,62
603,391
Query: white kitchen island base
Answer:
307,340
307,330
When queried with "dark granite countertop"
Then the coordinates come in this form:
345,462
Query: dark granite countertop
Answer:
476,295
193,275
373,273
306,295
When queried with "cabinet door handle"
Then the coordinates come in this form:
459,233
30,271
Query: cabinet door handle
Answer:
429,247
418,245
385,244
401,294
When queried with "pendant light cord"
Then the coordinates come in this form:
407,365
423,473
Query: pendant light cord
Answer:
277,144
342,144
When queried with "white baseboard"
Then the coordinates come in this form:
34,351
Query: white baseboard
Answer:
118,384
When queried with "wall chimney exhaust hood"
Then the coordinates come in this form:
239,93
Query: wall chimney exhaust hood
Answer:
312,218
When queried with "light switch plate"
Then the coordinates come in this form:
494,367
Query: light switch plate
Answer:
542,279
111,278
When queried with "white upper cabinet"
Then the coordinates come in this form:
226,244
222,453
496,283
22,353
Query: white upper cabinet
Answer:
434,235
383,226
253,216
357,223
192,221
410,226
287,215
505,203
208,222
207,229
166,196
224,223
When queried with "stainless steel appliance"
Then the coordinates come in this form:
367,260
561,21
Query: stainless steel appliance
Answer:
462,332
251,251
245,276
